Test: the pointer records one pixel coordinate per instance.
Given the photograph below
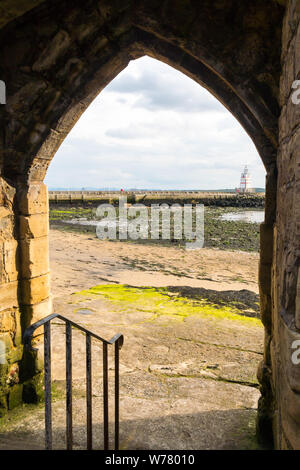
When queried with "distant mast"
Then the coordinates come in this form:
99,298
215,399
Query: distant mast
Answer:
245,183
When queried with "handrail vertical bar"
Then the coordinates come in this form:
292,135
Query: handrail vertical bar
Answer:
47,367
69,429
89,393
117,340
117,394
105,396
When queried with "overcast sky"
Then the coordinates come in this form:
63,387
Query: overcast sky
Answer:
153,127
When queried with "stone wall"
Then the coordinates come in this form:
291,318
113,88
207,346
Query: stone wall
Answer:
54,65
10,321
286,273
24,287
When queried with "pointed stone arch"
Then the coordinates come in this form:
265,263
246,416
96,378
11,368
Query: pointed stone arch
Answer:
56,56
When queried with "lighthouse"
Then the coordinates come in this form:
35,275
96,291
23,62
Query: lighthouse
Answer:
245,183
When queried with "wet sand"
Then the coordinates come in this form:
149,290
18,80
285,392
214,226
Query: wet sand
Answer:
186,382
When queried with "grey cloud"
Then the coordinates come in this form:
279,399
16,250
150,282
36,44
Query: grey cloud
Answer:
154,153
165,91
128,133
85,164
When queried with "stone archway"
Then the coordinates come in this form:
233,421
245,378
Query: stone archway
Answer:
56,57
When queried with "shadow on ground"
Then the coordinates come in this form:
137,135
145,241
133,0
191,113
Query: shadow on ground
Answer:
244,300
220,429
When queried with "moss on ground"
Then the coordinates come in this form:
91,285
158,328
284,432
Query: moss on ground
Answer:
160,302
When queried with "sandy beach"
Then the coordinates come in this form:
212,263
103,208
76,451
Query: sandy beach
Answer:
81,260
188,364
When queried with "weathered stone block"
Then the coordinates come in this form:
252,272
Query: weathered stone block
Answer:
32,362
56,48
297,58
4,212
33,389
266,310
264,277
7,193
3,375
15,396
35,259
38,170
3,405
7,225
17,333
8,353
9,261
35,290
33,313
34,226
288,74
290,344
33,199
298,301
290,414
50,145
7,320
26,94
283,124
273,355
9,295
6,346
15,354
292,114
266,243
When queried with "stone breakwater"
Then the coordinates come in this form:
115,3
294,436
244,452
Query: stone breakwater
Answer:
158,197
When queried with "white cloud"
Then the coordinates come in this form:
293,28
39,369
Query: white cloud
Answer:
153,127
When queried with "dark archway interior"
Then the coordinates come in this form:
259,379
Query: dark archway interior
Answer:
56,58
73,60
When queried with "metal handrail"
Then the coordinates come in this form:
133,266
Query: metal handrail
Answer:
116,340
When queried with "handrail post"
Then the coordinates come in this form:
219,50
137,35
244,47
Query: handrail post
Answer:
69,424
105,397
47,366
89,432
117,393
117,340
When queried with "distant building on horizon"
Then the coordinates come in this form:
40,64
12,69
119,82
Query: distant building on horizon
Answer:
245,182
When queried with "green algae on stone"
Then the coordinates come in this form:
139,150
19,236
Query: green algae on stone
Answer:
159,302
15,396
